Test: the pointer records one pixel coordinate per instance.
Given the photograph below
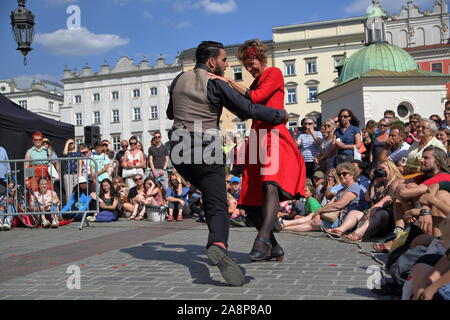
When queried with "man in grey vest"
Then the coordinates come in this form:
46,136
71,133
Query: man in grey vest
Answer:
195,105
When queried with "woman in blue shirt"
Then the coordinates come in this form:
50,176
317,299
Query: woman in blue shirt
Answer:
79,200
177,197
348,136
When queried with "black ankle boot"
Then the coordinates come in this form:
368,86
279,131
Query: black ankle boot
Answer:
276,253
261,254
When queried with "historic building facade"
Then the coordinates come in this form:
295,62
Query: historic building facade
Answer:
123,100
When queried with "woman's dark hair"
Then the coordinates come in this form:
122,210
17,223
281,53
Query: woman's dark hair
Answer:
354,121
207,50
157,184
112,190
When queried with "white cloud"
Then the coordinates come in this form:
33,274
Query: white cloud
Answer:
148,15
183,25
392,6
24,81
78,42
216,7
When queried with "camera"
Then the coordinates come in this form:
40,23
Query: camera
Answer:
379,173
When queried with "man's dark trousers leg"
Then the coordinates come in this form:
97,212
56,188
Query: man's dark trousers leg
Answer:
210,180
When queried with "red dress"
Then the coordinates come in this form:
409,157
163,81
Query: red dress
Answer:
287,170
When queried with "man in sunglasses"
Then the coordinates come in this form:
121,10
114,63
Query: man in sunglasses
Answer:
308,143
158,160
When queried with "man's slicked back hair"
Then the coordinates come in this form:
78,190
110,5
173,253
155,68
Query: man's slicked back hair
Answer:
207,50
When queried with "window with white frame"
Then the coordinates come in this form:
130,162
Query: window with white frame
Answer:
241,128
78,119
78,99
311,66
436,67
96,97
96,117
154,112
116,142
312,94
237,74
136,93
50,106
154,91
79,140
137,114
289,68
115,95
115,116
23,104
291,95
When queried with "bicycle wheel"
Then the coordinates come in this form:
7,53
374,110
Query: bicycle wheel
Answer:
23,206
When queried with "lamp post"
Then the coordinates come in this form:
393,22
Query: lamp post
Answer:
22,22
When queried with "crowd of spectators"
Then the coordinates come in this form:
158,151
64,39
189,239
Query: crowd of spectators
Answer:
386,180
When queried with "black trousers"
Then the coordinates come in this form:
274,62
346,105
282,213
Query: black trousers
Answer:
210,180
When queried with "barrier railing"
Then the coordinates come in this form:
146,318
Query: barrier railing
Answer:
30,200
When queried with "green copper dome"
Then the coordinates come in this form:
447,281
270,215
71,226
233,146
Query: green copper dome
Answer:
377,56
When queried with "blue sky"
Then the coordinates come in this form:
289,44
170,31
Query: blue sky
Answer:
110,29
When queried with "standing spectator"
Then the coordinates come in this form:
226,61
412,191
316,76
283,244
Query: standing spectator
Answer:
389,116
133,163
308,144
443,136
379,141
5,169
110,154
446,122
70,167
119,158
348,136
437,119
38,151
327,153
176,197
103,164
84,165
158,160
413,128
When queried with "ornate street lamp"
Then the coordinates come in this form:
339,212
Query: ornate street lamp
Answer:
22,21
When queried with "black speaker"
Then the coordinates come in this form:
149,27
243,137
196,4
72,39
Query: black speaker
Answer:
91,135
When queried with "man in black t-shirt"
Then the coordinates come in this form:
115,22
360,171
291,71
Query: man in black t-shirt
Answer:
158,160
119,157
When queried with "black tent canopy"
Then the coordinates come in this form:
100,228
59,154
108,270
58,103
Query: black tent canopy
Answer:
18,124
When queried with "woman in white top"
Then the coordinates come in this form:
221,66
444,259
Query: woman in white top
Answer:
133,163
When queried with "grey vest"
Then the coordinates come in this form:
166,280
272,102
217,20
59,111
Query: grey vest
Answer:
190,102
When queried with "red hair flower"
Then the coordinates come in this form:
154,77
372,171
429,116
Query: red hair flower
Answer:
252,52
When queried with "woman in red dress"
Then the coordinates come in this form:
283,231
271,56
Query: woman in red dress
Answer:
281,175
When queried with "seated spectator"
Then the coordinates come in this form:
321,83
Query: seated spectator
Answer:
152,196
331,215
79,200
235,187
378,218
363,182
445,124
121,189
443,136
331,187
176,197
318,180
138,189
395,147
431,272
46,200
108,203
427,135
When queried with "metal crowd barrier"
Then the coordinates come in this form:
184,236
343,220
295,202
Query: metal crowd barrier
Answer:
19,196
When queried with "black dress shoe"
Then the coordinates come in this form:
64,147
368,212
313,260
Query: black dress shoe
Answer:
228,268
262,254
276,253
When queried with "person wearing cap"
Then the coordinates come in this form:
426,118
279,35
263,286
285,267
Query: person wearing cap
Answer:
235,187
79,200
318,180
37,152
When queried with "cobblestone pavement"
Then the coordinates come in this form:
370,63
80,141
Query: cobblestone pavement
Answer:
150,260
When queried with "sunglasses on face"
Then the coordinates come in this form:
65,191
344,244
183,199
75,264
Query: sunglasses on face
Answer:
309,123
38,139
84,152
343,174
384,125
133,143
157,137
137,179
228,181
124,146
344,117
414,121
327,125
105,145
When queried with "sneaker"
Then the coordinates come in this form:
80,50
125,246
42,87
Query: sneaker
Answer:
238,222
1,224
6,224
228,268
90,218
